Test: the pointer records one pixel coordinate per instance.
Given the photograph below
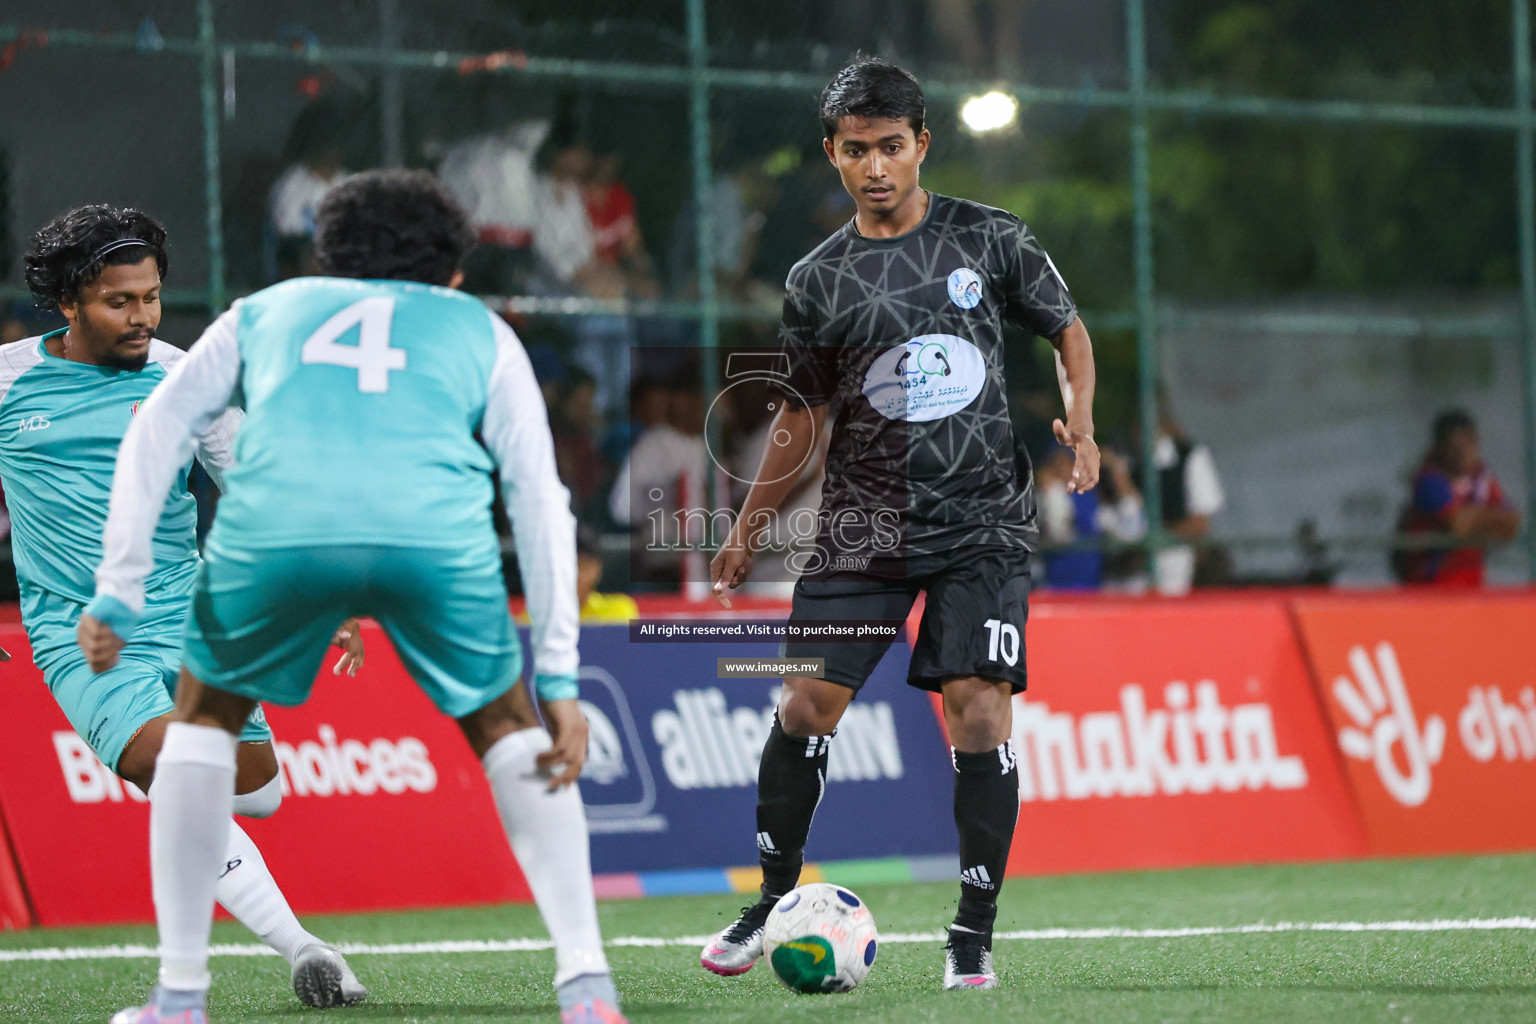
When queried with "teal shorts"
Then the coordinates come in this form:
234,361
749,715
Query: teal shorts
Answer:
109,709
262,619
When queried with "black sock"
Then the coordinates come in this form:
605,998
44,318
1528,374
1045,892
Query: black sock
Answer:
986,809
790,782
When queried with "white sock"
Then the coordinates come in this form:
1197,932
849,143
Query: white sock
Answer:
263,803
248,891
188,834
548,833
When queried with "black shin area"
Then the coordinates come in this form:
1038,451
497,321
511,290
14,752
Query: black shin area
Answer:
790,783
986,809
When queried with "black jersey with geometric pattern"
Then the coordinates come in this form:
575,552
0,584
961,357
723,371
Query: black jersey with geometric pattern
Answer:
903,338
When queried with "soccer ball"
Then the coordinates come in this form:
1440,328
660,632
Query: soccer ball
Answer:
820,938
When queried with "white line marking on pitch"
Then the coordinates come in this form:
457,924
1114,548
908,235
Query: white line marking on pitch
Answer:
139,952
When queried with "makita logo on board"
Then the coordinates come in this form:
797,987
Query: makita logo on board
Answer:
1182,747
707,745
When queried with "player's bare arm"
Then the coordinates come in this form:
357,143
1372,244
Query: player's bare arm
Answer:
1076,376
798,429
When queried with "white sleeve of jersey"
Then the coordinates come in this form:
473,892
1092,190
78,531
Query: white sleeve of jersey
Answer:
159,442
516,432
216,446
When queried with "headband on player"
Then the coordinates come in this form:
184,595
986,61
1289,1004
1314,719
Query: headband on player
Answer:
121,243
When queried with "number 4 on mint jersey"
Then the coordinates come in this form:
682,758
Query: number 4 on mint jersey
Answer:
372,357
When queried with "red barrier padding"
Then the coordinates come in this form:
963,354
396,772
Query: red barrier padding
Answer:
1432,701
1154,734
1172,734
14,911
385,806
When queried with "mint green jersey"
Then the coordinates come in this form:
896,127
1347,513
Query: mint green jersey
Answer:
61,424
362,399
375,412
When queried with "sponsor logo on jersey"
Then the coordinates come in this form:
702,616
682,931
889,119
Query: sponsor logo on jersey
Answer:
34,423
926,378
965,288
705,744
135,410
1202,746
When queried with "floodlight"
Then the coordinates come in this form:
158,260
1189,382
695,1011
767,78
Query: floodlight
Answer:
989,112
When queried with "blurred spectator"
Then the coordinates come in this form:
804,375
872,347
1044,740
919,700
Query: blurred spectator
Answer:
566,244
493,177
985,34
576,425
1453,493
595,606
1113,510
660,491
615,231
1191,495
647,408
295,197
803,214
562,231
549,370
666,466
736,204
13,329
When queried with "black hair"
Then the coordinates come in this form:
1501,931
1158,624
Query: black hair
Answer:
869,88
1448,422
391,225
70,251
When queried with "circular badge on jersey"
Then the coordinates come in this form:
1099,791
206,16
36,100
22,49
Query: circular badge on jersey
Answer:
965,288
927,378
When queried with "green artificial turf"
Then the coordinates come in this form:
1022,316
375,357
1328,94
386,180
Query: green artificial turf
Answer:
1452,976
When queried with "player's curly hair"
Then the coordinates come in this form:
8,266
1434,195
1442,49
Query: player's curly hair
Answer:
868,88
70,251
391,225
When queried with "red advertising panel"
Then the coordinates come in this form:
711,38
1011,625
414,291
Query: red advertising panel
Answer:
14,911
1171,734
1432,702
384,805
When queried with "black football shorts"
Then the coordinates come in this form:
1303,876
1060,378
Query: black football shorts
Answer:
972,625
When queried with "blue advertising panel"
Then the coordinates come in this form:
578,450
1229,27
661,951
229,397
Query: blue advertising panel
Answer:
671,776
